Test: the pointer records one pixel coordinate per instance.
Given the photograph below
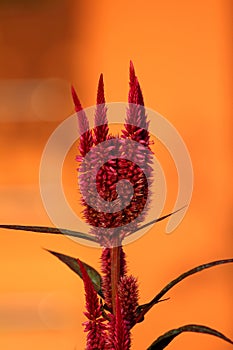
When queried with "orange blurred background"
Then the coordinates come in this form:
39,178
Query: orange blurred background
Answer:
181,52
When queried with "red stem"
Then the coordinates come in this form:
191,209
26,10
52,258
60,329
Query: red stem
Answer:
115,273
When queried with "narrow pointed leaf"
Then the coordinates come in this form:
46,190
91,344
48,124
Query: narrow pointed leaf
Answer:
72,263
143,309
155,220
166,338
51,230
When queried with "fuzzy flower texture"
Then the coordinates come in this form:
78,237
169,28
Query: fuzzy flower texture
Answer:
111,317
125,164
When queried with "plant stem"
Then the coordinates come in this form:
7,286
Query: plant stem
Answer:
115,273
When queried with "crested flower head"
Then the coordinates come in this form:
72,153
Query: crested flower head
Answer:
129,199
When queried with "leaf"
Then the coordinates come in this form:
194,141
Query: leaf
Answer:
60,231
143,309
72,263
52,230
166,338
155,220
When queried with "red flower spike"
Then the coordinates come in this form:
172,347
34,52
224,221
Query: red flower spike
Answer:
119,332
132,83
86,140
77,103
94,326
136,122
131,71
128,296
100,91
135,92
101,122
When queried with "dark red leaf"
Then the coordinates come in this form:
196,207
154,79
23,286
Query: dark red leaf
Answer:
72,263
51,230
143,309
156,220
166,338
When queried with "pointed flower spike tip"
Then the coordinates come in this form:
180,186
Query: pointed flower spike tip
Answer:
86,139
77,103
135,92
101,122
131,72
100,93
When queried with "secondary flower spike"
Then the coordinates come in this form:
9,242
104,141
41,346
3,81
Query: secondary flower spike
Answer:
94,326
